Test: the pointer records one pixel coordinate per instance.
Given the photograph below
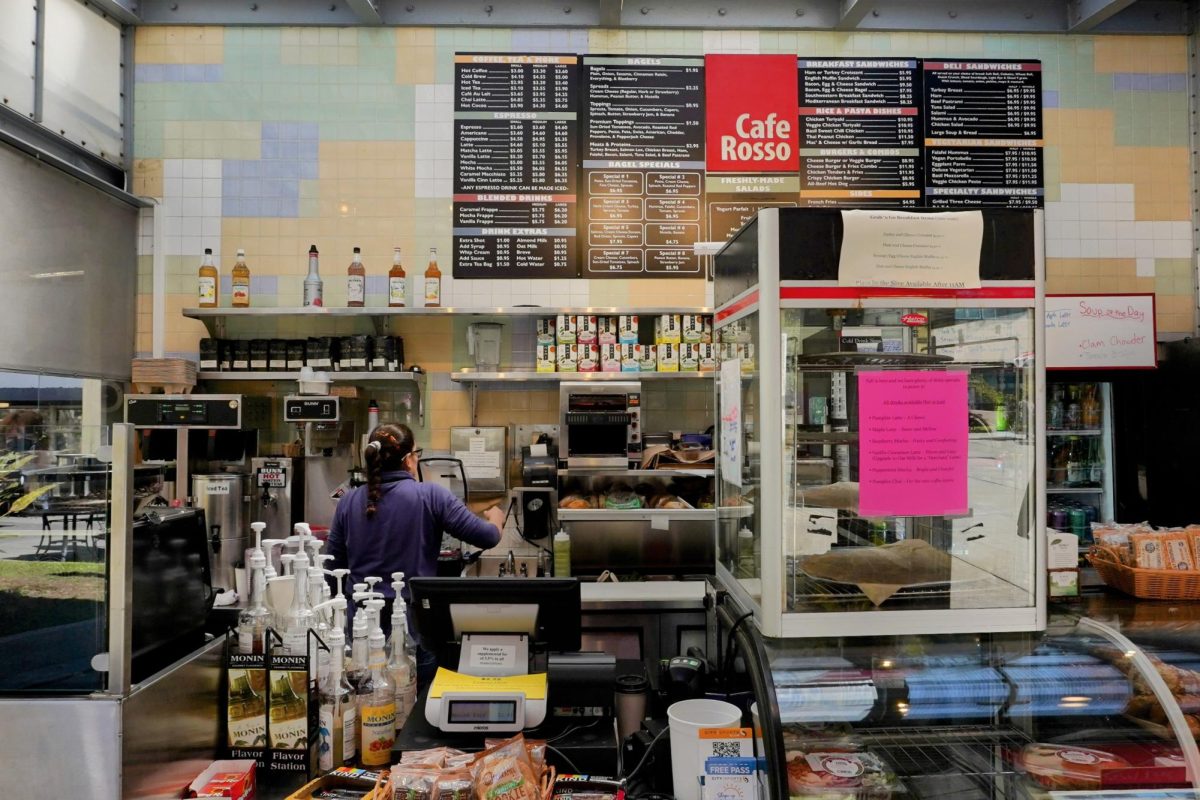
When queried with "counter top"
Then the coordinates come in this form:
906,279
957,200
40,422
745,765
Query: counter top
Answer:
646,594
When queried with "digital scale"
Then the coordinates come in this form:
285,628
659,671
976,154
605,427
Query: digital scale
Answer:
492,692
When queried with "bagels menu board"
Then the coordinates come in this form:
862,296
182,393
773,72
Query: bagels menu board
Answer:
643,166
860,133
515,165
983,134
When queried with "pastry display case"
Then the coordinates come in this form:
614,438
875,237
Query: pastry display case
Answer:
1094,704
880,462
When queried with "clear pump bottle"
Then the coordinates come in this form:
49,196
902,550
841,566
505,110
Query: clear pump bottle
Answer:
376,704
402,660
338,711
255,618
300,618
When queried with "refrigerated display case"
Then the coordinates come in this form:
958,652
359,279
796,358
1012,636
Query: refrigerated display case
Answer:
824,530
1079,450
1092,704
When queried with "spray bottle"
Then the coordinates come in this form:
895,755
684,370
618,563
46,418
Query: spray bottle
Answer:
338,711
376,702
402,663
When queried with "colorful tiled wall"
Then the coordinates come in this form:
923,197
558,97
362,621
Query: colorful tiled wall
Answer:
272,139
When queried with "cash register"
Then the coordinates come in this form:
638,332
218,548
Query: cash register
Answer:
499,633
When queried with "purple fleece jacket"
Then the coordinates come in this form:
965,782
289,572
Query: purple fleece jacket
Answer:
405,535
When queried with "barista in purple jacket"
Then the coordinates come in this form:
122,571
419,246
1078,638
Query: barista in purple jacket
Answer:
395,523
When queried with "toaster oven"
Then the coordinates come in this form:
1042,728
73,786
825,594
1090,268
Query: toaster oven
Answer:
601,425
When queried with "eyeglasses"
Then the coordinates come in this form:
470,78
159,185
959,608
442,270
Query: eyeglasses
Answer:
417,453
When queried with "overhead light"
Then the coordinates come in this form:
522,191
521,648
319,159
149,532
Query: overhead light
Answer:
4,405
69,273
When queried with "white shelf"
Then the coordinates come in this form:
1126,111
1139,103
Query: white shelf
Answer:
336,377
529,376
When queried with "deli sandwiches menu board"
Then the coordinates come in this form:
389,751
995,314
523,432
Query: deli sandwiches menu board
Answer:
515,165
643,166
860,133
983,134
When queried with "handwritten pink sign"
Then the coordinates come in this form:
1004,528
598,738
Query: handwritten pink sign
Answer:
912,443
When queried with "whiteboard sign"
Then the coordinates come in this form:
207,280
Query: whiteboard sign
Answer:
730,434
1100,331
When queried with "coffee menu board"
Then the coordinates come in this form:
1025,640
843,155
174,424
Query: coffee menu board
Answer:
643,166
860,133
515,165
983,134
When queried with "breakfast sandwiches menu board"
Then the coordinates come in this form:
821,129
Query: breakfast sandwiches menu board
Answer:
515,165
983,134
643,166
860,133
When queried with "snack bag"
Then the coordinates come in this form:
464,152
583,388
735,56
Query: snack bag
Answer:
454,784
413,782
1177,551
1193,534
505,771
1148,551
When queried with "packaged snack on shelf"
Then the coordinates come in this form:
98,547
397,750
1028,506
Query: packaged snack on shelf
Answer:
630,356
589,357
546,330
568,357
1148,551
565,329
667,330
227,778
606,330
668,357
546,359
648,357
746,353
707,356
454,784
627,329
689,357
585,329
737,332
840,775
610,358
414,782
585,787
1193,534
506,771
433,757
1065,767
691,328
1177,551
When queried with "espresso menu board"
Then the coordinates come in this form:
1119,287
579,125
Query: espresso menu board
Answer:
643,166
860,133
983,134
515,165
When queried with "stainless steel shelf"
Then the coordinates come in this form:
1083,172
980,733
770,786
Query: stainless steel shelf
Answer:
529,376
1074,490
1087,432
615,514
637,473
475,311
336,377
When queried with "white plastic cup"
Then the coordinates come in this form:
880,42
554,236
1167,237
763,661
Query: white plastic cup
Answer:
686,718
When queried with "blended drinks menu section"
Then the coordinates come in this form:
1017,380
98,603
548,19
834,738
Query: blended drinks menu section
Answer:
515,165
860,133
643,166
983,134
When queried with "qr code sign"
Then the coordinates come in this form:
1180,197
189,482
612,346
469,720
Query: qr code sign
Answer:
727,749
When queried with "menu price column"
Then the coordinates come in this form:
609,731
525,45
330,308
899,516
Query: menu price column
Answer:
983,134
860,133
515,165
643,166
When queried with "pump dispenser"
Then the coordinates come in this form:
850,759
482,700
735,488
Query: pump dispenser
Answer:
402,662
300,618
376,703
270,553
359,645
338,710
255,618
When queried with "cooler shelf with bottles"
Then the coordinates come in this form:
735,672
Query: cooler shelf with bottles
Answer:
1079,447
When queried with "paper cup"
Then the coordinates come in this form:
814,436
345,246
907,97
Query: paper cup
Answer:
686,718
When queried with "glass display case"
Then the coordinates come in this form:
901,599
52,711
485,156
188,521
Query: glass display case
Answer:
880,458
1093,704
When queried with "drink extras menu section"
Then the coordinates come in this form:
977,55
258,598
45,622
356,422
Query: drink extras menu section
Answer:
860,133
643,166
515,165
983,134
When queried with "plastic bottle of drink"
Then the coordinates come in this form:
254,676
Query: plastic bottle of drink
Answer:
376,706
356,281
239,296
338,712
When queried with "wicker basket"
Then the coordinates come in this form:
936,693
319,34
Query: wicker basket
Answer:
1149,584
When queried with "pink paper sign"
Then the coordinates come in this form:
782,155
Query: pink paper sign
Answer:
912,457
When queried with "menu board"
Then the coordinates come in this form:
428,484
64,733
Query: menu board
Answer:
983,134
860,133
515,165
643,166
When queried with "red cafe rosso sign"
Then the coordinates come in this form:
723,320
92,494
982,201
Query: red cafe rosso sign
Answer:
752,113
914,320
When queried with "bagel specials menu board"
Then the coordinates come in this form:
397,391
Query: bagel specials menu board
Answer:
597,166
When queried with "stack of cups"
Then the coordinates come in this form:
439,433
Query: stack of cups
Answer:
686,718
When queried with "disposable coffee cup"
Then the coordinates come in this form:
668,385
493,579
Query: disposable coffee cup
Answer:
630,701
685,719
